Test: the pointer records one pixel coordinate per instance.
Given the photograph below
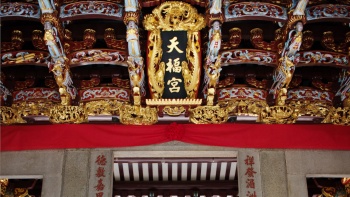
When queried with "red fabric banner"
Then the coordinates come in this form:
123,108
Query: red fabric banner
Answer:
60,136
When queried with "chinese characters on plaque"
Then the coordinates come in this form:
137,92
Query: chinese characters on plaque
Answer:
174,45
250,176
100,174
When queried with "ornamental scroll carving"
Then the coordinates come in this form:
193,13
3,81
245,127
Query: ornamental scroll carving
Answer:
174,16
17,9
244,10
96,8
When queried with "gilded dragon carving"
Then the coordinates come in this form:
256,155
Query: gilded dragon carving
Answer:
191,73
155,69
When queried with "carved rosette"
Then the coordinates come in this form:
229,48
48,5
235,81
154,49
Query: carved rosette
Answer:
278,115
209,115
137,115
67,114
166,17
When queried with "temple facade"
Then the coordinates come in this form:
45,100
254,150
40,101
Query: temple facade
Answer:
175,98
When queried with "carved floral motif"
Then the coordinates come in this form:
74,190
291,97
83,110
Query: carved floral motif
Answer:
278,115
208,115
104,93
67,114
19,10
121,83
24,57
244,10
339,116
35,94
241,93
102,107
10,116
310,94
102,8
322,57
328,11
137,115
100,56
240,56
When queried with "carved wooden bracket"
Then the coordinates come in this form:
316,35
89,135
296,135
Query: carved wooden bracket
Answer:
257,39
235,39
308,40
88,42
329,44
112,42
93,82
15,44
38,41
251,80
119,82
318,83
50,82
27,83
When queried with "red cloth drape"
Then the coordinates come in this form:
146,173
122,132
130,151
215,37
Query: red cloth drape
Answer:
60,136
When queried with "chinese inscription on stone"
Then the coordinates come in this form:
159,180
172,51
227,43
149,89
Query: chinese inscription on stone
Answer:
249,176
101,161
